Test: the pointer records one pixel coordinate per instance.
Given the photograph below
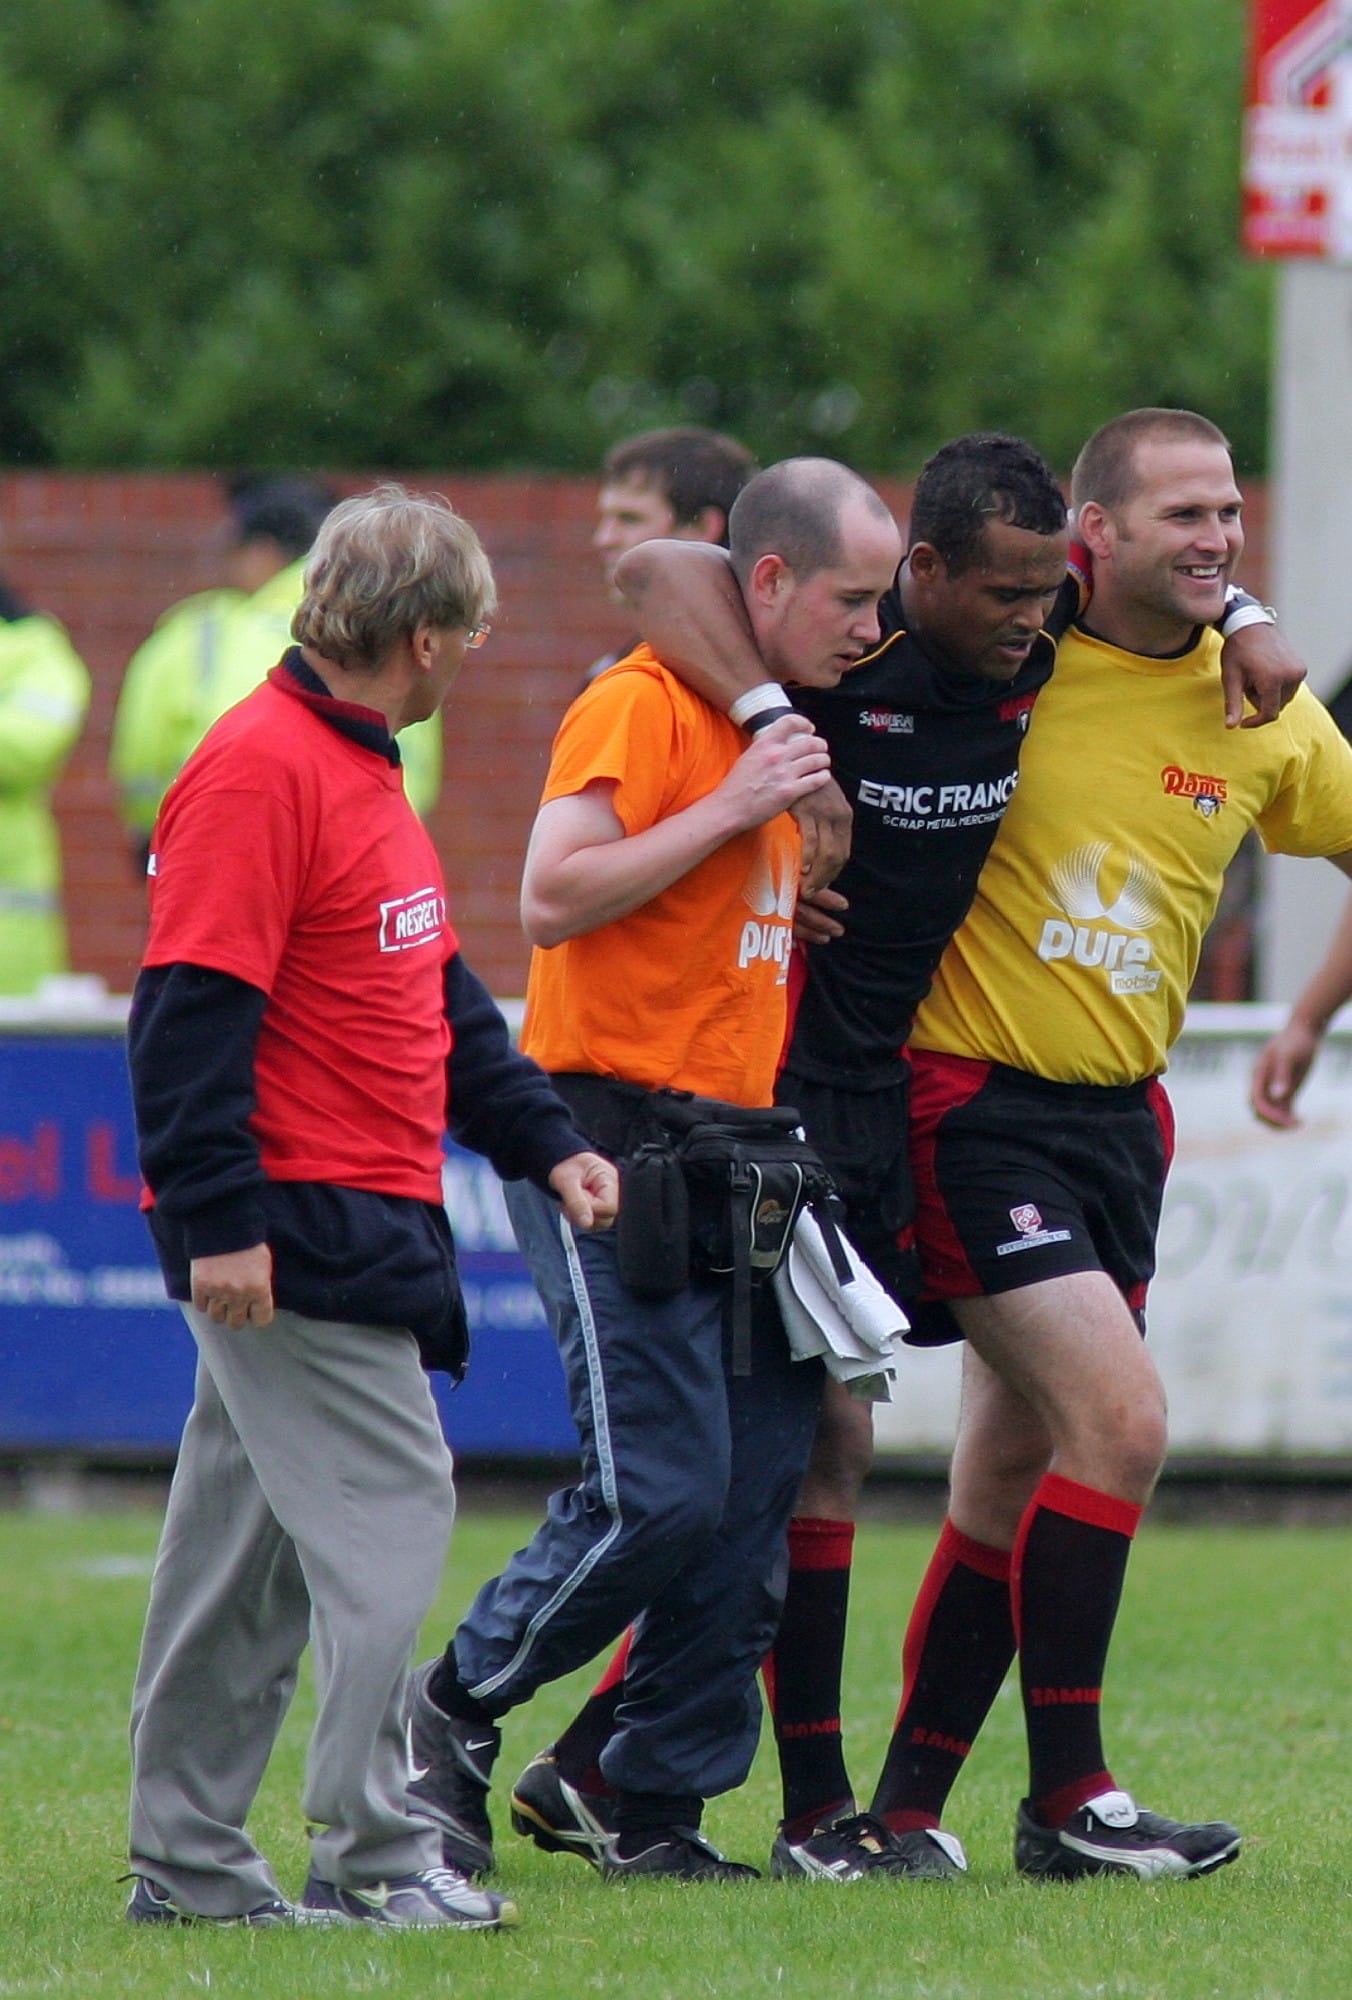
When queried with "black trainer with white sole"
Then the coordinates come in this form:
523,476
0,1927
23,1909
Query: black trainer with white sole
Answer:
857,1844
452,1767
558,1817
1112,1835
675,1853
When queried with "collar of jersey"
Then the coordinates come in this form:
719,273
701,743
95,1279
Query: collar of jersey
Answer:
366,726
1145,662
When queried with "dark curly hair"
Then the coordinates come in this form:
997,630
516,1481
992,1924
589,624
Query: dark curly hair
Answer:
983,477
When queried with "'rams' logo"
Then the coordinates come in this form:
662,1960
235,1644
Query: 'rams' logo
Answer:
1207,794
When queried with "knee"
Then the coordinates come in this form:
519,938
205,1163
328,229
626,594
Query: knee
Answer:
1143,1442
842,1456
1121,1448
662,1529
1006,1473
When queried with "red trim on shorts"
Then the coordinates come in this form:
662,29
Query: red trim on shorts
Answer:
819,1544
1157,1097
1085,1503
939,1084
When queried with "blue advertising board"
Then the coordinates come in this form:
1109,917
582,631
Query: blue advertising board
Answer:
93,1357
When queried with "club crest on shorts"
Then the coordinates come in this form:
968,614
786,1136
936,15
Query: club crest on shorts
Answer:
1033,1232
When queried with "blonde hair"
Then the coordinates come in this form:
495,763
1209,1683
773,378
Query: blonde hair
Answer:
383,564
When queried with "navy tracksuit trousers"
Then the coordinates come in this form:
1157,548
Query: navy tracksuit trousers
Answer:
689,1476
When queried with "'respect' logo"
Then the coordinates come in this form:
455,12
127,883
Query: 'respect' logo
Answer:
413,920
1207,794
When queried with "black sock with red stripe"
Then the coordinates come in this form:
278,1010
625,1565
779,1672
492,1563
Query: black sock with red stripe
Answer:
1069,1562
577,1752
802,1674
957,1651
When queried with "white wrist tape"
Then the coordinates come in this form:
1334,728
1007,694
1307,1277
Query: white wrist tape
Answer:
1246,614
768,701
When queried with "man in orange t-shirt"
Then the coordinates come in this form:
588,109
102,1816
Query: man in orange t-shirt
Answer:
659,891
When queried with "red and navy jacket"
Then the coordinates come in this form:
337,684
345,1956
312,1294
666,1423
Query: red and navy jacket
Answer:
373,1248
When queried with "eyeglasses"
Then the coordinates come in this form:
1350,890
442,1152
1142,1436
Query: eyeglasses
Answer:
475,636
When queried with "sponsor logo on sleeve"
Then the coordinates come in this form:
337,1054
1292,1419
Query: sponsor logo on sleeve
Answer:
409,922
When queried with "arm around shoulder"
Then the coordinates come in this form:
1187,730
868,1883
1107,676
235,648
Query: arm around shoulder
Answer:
689,608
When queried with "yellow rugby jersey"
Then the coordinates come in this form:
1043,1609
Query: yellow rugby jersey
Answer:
1075,960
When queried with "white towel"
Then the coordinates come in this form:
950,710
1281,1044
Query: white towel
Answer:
854,1326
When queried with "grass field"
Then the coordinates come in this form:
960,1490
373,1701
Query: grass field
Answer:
1229,1695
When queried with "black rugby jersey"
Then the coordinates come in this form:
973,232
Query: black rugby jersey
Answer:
928,759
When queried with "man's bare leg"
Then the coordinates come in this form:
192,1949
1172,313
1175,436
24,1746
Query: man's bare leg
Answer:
1070,1349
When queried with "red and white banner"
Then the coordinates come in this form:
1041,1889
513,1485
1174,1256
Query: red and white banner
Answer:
1298,130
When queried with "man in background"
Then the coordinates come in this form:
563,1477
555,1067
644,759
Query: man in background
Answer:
44,692
170,691
212,649
676,485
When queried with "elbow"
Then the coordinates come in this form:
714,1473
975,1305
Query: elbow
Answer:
633,573
544,923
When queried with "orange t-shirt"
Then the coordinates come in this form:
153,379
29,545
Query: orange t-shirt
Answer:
689,989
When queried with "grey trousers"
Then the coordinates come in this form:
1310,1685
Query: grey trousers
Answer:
312,1501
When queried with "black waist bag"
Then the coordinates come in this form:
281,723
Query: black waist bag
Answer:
714,1190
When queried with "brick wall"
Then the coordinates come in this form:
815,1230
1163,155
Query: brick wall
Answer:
106,553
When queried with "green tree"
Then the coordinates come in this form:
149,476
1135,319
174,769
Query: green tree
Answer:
502,232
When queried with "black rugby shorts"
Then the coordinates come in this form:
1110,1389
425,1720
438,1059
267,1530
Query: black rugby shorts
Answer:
861,1135
1019,1180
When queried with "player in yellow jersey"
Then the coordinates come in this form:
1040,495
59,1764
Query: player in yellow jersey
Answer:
1041,1133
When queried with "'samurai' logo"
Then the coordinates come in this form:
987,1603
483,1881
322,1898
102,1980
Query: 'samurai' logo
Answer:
887,722
1207,794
